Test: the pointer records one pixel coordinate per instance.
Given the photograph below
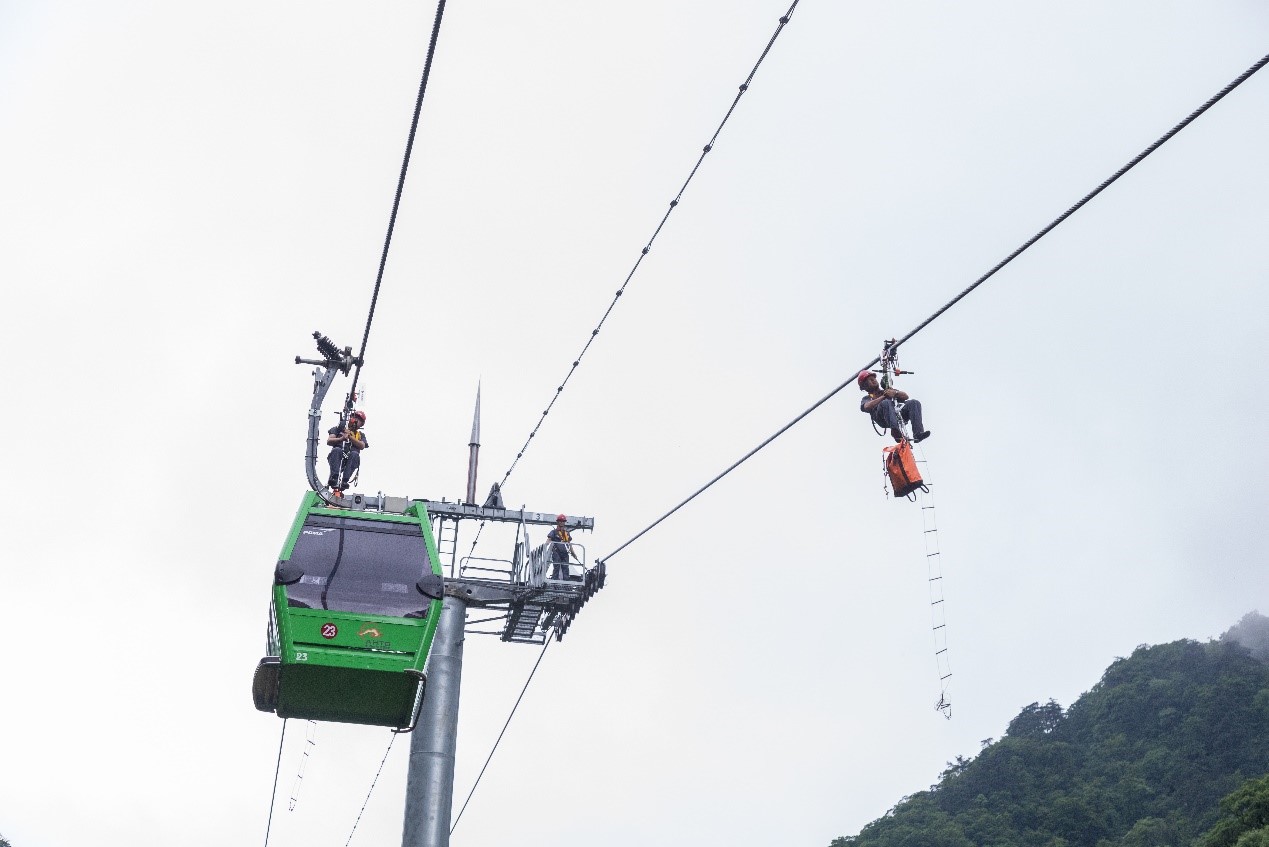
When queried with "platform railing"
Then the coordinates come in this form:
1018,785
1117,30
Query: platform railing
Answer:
572,566
535,569
467,567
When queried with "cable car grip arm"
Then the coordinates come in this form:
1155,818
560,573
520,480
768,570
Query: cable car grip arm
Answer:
334,361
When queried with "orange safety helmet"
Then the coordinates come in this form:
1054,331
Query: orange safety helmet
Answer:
561,518
358,414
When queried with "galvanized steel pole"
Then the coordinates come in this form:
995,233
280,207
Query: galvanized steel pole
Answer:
429,791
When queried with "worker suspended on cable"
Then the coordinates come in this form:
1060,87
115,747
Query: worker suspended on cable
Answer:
561,549
345,459
890,408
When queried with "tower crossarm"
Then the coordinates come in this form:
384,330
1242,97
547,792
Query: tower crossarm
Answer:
488,513
458,511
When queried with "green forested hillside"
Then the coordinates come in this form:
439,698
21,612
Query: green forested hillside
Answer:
1141,760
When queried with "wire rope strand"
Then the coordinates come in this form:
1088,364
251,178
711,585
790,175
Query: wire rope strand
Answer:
784,20
373,783
489,758
1212,101
396,200
1029,242
273,799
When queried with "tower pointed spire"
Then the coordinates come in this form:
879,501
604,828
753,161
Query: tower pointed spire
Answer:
473,449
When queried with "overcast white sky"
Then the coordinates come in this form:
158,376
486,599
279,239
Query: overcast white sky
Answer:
189,190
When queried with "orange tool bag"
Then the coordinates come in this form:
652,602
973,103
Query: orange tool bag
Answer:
901,467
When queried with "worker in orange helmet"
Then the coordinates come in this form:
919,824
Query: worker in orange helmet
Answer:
890,408
561,549
345,459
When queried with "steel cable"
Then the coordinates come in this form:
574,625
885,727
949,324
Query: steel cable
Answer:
489,758
784,20
373,783
273,799
396,200
1043,232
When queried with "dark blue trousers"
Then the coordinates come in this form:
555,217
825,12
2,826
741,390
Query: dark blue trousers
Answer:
887,416
351,463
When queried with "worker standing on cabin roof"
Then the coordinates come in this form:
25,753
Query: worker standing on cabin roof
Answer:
561,549
348,442
880,403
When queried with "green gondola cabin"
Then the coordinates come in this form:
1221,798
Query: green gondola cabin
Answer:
356,600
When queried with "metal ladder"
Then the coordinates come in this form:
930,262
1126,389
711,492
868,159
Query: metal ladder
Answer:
522,623
938,612
447,543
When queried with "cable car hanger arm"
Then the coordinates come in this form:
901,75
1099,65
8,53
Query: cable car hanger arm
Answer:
333,361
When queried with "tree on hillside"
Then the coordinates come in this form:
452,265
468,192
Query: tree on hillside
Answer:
1156,832
1244,820
1035,720
1141,760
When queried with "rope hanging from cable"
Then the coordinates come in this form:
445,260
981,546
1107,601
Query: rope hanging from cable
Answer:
1015,254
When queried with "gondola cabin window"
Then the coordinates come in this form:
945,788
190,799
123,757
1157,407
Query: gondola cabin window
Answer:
360,566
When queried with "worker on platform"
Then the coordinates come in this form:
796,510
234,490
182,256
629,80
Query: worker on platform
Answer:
561,549
345,459
890,408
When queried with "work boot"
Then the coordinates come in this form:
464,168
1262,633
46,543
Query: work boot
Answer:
921,436
897,435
